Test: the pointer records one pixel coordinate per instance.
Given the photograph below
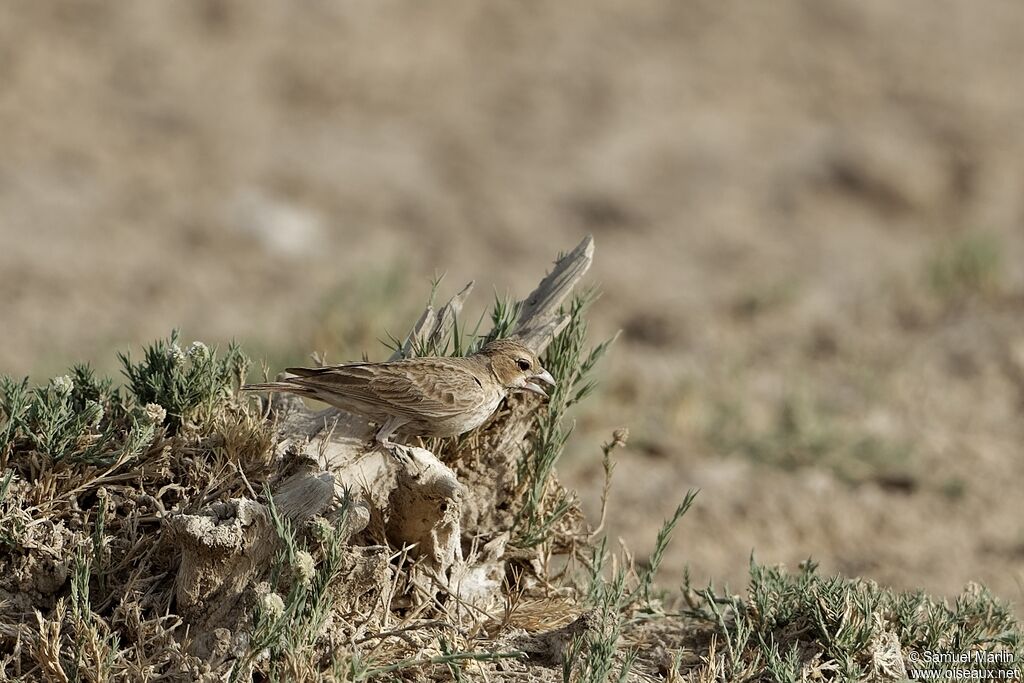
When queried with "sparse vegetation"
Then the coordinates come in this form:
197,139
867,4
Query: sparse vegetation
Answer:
803,435
353,315
802,626
965,268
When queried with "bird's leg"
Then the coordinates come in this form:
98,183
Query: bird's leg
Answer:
383,435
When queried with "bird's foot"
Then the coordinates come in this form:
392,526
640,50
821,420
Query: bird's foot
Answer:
395,450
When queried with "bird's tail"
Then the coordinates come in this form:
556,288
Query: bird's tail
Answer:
278,386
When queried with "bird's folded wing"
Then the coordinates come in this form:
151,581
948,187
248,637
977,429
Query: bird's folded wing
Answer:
436,388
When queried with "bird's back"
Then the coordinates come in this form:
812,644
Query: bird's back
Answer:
436,395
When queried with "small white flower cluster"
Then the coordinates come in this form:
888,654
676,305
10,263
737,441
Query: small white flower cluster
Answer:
175,354
272,604
62,385
155,413
304,566
321,528
198,351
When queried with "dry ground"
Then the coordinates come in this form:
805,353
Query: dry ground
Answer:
809,218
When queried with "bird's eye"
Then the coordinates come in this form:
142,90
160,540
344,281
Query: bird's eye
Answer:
523,364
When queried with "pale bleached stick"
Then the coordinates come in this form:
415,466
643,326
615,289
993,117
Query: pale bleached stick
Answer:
539,318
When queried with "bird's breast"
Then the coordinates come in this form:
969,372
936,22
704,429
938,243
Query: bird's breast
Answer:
473,414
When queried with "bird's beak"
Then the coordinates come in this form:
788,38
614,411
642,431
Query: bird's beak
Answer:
535,388
543,376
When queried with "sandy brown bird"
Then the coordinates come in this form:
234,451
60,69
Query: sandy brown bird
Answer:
428,396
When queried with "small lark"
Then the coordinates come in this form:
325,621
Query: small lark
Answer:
429,396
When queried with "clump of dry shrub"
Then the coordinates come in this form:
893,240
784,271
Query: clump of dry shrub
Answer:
89,473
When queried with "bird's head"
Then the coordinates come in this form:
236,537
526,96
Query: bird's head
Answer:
516,366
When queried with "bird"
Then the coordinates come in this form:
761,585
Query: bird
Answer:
428,396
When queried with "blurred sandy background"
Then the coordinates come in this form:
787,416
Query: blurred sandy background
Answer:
809,221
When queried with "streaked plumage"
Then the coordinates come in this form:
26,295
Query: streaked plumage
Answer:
430,396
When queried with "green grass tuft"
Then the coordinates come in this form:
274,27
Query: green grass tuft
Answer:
571,364
183,382
795,627
969,267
